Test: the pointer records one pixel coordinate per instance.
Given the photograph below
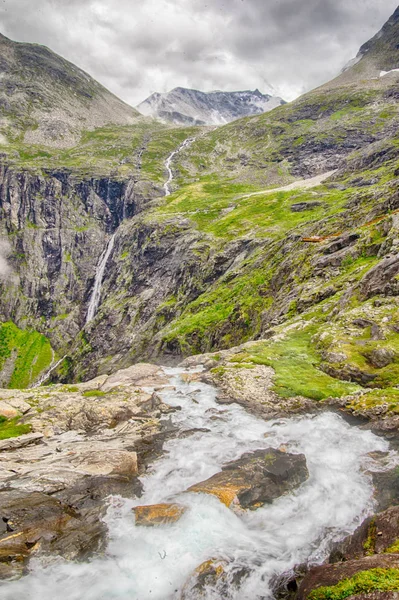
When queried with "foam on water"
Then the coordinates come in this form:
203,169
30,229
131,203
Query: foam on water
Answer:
154,563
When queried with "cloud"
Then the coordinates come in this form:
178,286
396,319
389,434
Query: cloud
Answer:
5,269
136,48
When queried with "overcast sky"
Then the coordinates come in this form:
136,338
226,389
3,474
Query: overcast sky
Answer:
136,47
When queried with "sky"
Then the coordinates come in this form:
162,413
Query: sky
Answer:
137,47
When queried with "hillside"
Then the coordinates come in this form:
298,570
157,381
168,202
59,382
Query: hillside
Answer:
242,249
182,106
44,99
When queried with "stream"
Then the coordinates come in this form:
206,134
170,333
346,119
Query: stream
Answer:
143,563
168,163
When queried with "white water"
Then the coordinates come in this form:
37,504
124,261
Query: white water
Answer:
168,163
154,563
47,374
96,293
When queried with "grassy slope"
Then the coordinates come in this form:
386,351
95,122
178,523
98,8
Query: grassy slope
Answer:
24,354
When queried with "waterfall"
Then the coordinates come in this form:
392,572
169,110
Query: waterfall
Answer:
168,162
47,374
96,293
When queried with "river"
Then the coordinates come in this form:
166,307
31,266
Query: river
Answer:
155,563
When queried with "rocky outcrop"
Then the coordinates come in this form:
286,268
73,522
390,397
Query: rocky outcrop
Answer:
255,479
88,441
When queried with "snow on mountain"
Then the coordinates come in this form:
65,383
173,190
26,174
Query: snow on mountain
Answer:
183,106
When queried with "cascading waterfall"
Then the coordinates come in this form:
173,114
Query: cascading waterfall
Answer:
143,563
47,374
96,293
168,163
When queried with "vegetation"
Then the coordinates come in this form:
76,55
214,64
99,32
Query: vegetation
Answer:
10,428
381,580
24,355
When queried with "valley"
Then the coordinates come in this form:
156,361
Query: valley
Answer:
199,340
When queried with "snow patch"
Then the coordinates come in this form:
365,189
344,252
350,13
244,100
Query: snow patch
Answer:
383,73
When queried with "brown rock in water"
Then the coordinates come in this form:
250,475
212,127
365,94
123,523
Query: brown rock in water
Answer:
35,523
256,478
158,514
213,574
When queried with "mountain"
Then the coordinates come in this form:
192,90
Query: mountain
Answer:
183,106
44,99
376,59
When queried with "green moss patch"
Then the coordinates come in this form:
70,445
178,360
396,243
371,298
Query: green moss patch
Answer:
24,355
295,361
93,394
364,582
10,428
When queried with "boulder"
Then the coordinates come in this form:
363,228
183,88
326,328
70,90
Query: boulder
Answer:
379,277
212,574
38,523
8,411
381,357
255,479
107,462
302,206
158,514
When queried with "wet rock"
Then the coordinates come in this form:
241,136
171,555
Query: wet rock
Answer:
386,484
256,478
214,574
158,514
376,535
37,523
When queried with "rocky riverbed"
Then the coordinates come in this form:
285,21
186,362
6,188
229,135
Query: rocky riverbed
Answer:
224,501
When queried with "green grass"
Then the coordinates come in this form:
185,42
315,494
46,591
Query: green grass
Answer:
93,394
9,428
29,351
295,362
364,582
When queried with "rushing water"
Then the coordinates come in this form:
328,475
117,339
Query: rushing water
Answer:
168,163
144,563
96,293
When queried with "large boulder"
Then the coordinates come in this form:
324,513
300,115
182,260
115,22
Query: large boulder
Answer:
255,479
33,523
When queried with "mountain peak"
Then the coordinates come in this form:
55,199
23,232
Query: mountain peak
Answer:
184,106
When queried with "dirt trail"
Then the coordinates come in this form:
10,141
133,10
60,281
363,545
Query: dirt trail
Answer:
300,184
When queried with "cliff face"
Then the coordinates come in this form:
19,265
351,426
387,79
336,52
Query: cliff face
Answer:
57,226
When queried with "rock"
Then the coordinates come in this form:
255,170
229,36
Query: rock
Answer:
386,484
37,523
107,462
256,478
330,575
381,357
377,280
376,535
212,574
158,514
21,441
302,206
8,411
341,242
